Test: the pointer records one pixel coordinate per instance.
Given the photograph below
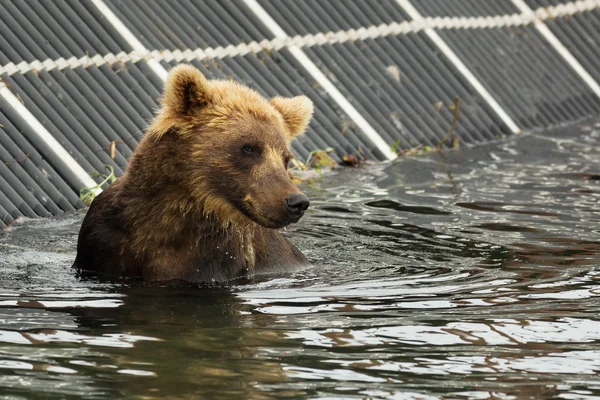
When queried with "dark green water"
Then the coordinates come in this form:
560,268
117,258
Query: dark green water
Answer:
474,276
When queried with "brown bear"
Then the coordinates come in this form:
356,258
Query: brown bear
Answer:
205,191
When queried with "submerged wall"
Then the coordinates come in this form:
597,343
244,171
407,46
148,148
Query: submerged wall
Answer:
80,79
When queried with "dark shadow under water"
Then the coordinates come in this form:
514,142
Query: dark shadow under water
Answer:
472,275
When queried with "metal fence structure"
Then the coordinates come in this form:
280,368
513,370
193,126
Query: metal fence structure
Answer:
81,79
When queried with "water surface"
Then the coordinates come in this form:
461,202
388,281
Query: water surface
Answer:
473,275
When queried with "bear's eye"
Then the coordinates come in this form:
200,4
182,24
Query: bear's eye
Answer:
249,149
286,161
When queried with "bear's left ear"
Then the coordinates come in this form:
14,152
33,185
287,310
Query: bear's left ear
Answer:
185,90
296,112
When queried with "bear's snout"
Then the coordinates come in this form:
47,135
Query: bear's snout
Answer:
297,203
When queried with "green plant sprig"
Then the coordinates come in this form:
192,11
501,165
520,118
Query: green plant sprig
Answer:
86,195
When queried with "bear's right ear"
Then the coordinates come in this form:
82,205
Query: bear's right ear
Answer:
185,90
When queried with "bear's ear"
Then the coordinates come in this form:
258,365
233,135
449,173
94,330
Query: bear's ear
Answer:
296,112
185,90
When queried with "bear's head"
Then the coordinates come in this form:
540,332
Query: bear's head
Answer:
237,147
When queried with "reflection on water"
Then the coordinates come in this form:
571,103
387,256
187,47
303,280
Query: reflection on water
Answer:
468,276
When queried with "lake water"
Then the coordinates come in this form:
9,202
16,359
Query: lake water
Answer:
472,275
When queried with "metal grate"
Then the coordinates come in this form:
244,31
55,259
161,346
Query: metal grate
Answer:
87,75
185,25
545,3
464,8
401,83
302,17
40,30
581,35
30,186
528,78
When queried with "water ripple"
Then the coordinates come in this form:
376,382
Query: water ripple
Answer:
472,275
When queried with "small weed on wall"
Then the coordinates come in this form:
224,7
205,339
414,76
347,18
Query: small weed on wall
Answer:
86,195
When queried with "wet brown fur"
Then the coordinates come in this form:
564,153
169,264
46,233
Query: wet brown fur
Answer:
192,204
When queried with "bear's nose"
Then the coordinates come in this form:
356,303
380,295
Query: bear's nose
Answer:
297,203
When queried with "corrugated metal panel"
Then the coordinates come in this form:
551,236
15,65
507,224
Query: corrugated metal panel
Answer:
390,79
581,34
544,3
51,104
38,30
29,184
526,75
87,109
402,84
210,24
464,8
84,109
321,14
189,23
273,74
